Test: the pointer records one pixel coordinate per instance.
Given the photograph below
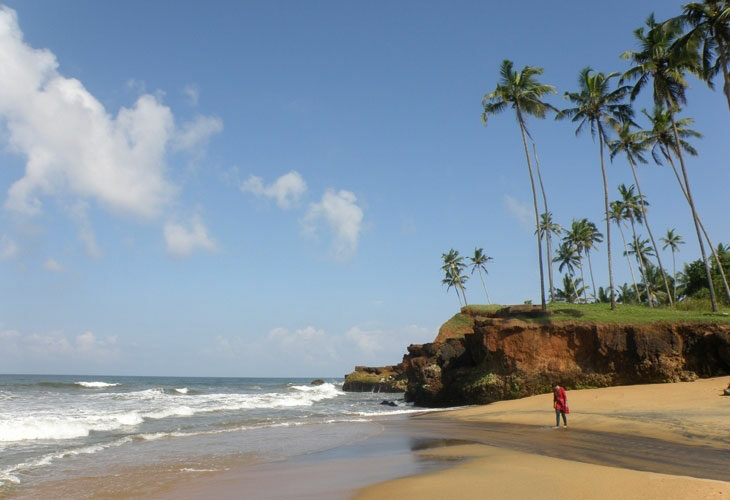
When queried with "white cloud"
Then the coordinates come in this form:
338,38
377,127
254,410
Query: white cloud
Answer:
73,145
8,248
80,213
192,94
286,190
310,342
344,218
56,345
521,212
365,340
196,133
53,266
182,241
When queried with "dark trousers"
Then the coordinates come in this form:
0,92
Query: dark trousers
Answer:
557,418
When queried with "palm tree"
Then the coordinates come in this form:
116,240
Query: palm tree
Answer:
641,251
568,256
549,228
624,294
662,138
666,63
710,22
632,210
633,145
453,266
521,91
545,220
617,216
478,263
591,236
575,237
455,281
572,289
673,240
598,106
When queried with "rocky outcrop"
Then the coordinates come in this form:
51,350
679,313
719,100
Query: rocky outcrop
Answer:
506,358
376,379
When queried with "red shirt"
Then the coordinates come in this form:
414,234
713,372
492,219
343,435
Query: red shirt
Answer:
560,398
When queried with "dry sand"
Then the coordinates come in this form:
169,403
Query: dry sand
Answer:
693,413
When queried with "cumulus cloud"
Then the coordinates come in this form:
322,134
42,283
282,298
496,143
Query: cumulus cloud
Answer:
57,345
74,146
286,190
342,215
52,265
182,240
521,212
365,340
8,248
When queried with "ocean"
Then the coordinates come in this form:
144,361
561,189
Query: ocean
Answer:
61,428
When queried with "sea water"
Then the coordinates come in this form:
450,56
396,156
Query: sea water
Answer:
60,427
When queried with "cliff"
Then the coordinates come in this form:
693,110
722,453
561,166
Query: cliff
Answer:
376,379
516,352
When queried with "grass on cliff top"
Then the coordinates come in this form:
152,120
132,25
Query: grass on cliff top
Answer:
624,313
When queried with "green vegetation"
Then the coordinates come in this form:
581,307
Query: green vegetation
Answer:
631,314
459,324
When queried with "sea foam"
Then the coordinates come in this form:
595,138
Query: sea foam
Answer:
95,384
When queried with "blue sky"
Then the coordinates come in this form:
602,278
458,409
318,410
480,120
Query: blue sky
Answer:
262,189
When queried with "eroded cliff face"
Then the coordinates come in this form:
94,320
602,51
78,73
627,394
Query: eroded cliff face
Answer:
507,358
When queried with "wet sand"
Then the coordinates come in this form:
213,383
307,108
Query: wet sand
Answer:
633,442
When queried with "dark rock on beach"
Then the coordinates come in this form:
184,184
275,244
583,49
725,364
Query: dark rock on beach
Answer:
376,379
317,381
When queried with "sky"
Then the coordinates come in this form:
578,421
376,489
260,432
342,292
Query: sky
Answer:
266,188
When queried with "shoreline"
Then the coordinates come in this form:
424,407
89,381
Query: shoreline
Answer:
624,442
665,437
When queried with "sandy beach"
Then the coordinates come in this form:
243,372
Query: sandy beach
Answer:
677,425
632,442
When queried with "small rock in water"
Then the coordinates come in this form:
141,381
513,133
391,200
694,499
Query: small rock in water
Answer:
317,381
727,391
388,403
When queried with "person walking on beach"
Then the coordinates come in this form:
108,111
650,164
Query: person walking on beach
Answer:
560,403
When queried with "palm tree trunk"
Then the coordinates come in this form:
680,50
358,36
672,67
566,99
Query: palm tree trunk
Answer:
608,220
628,259
590,269
547,231
583,279
639,260
537,215
725,75
713,299
674,270
648,228
702,226
484,285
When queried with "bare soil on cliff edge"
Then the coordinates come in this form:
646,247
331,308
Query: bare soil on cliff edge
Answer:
626,442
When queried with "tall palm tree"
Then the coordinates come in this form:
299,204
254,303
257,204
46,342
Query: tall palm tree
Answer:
633,145
479,263
591,236
632,210
617,216
543,223
599,106
666,63
710,23
550,228
641,251
662,139
673,240
521,91
453,265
